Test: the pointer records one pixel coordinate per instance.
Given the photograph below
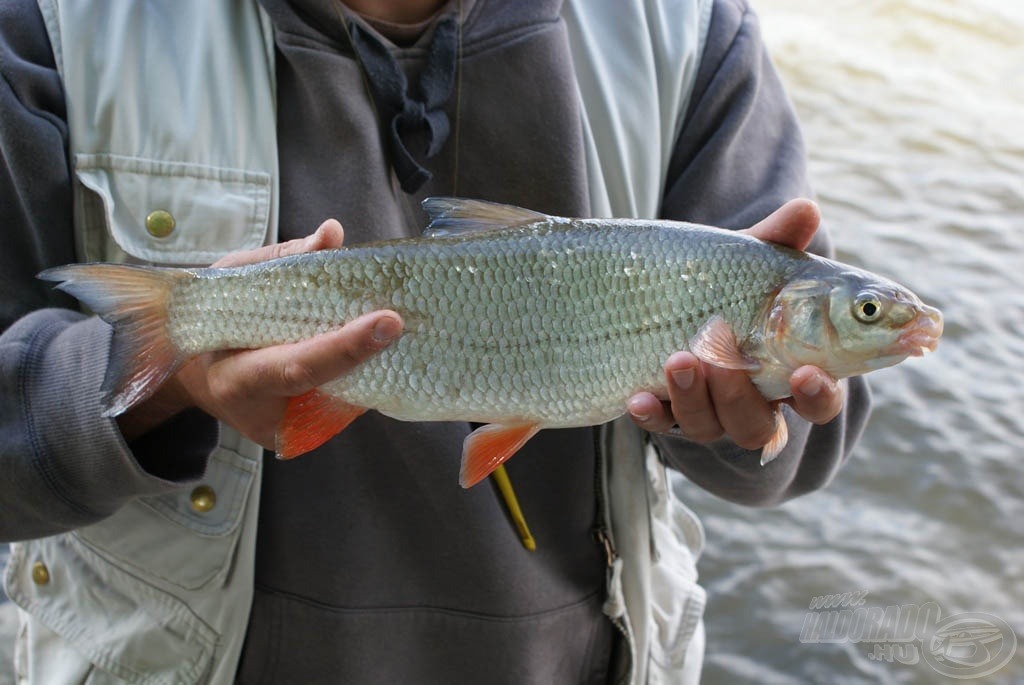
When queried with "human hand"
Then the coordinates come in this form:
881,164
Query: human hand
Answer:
707,402
249,389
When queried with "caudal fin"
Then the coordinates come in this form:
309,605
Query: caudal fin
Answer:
133,300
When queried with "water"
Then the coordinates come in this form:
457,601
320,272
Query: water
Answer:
914,114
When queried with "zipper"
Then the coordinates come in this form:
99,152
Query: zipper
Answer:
603,536
602,531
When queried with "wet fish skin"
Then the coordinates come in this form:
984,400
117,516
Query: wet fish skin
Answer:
512,318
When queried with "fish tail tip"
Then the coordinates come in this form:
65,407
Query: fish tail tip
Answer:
133,300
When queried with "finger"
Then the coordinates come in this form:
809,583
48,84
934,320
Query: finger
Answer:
691,402
793,224
293,369
745,415
817,396
328,235
649,413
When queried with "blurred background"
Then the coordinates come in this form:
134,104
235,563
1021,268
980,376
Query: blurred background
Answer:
914,117
913,112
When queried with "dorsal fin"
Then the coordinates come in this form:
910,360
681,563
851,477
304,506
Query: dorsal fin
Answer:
456,216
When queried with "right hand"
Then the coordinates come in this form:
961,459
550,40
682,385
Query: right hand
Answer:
249,389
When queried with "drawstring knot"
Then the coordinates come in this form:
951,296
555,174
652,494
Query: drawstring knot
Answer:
417,122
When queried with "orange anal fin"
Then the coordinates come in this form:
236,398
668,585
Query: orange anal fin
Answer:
488,447
778,440
311,420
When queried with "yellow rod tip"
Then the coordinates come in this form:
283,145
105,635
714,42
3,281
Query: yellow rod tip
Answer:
500,476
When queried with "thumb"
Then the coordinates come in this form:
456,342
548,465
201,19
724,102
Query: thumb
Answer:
793,224
293,369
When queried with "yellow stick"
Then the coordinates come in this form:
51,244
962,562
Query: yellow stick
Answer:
501,479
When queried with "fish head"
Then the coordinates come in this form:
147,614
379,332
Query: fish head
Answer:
848,322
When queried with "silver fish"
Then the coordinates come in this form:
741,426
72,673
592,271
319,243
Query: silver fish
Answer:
513,319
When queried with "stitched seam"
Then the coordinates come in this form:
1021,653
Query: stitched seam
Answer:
146,166
459,613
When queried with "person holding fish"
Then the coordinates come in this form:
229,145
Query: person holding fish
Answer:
167,163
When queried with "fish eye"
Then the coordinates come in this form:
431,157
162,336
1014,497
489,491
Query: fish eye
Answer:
867,308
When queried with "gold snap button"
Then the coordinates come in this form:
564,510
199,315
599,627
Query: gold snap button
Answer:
40,574
160,223
203,499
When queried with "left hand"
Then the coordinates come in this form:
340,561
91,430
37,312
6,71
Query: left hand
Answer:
707,402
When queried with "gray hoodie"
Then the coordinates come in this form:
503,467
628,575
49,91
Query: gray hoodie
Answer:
372,566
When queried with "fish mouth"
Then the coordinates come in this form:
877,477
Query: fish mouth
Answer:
922,334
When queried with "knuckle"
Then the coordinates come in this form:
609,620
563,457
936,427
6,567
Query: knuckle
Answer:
699,425
825,410
296,378
224,389
353,354
730,396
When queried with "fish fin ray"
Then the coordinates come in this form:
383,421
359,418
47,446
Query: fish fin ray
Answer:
451,216
133,300
310,420
490,446
778,440
715,343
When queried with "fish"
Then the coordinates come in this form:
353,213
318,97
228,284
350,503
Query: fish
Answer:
514,319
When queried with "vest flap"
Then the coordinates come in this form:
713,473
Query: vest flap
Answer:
202,212
186,538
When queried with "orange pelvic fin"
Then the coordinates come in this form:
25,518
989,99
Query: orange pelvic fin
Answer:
488,447
311,420
715,343
779,439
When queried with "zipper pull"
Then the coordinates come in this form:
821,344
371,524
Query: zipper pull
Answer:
604,539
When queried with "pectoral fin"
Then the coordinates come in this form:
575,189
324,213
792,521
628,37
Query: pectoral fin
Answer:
486,448
311,420
715,344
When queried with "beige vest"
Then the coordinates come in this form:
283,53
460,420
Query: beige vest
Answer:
171,108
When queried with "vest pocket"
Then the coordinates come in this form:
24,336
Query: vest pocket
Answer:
166,212
128,628
186,539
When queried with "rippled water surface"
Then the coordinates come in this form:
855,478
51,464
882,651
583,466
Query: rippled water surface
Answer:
914,115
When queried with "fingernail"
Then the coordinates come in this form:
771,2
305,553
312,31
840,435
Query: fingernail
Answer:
637,414
813,385
385,330
683,378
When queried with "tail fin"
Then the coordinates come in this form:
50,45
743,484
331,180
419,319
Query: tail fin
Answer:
132,299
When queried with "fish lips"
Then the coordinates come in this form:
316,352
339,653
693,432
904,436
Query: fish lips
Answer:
922,333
